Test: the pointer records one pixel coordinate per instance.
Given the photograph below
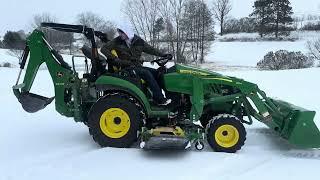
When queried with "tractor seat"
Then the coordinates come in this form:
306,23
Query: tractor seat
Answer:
88,53
86,50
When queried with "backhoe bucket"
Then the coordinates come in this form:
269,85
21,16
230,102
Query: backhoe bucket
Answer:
297,125
33,102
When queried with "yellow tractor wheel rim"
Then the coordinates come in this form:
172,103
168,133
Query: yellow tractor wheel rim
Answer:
115,123
226,136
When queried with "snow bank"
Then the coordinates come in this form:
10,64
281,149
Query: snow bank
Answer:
251,37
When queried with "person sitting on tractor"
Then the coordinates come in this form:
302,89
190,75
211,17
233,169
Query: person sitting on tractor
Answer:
126,50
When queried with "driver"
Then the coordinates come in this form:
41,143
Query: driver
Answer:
129,48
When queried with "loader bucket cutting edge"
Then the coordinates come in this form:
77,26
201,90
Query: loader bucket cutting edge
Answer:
32,103
298,125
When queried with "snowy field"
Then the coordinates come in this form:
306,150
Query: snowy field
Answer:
227,53
46,145
247,54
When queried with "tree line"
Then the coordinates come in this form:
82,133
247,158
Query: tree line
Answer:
183,27
59,40
187,26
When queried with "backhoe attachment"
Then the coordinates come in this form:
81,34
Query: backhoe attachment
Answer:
33,103
30,102
65,79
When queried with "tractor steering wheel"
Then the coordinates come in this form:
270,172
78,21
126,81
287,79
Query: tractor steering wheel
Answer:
161,61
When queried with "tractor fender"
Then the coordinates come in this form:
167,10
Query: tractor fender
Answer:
109,83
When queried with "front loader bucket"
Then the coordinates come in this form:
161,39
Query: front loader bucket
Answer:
297,125
32,102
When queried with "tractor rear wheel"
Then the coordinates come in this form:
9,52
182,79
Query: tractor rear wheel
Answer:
226,133
114,120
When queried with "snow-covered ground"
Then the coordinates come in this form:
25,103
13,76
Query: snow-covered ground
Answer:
247,54
249,37
46,145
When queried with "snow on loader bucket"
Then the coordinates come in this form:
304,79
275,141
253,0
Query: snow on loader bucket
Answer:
297,125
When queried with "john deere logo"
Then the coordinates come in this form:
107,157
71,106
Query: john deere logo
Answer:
60,74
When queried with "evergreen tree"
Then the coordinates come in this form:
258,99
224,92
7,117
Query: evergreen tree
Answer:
263,13
274,16
159,26
282,16
13,40
245,24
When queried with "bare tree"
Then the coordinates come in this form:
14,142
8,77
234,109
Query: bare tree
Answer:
177,7
59,40
172,11
198,29
17,53
142,15
44,17
179,26
40,18
221,9
96,22
170,33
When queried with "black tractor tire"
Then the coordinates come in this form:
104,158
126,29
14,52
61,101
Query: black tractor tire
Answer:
115,120
205,118
226,133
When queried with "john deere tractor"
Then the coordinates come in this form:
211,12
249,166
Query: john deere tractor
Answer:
118,109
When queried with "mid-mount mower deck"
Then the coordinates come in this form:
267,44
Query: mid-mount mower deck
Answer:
117,106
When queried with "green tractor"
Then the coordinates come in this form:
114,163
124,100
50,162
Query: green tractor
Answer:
119,111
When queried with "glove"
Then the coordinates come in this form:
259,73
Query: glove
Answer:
168,56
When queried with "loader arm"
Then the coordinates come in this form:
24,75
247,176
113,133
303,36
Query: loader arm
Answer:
243,98
291,122
66,82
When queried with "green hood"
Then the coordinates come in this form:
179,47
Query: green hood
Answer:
183,69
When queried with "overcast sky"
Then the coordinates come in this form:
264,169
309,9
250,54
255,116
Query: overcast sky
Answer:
17,14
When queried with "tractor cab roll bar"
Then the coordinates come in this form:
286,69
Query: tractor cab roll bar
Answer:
89,33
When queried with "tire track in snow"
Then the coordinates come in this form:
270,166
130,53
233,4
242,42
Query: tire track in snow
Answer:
287,150
234,165
48,159
303,154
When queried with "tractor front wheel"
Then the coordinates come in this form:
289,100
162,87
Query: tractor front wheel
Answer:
114,120
226,133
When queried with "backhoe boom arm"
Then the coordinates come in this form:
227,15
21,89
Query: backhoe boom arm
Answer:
65,80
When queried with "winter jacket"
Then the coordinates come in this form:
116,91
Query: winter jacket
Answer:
129,55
